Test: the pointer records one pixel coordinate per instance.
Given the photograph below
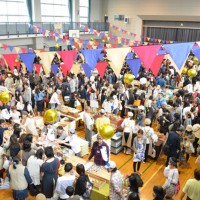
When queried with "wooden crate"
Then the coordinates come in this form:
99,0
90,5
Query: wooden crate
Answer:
98,182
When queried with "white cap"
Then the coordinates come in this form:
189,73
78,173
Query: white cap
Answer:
130,114
111,165
141,107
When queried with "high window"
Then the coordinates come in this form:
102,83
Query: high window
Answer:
84,10
13,11
55,10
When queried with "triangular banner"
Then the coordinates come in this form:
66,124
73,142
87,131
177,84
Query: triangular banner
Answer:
155,67
10,60
76,68
117,57
11,48
196,52
46,58
168,57
64,69
179,52
91,57
147,54
5,46
134,65
101,68
68,58
28,59
17,49
38,68
54,68
86,69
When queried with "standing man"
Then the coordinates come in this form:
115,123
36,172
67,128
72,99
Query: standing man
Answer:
116,181
27,95
88,123
100,152
174,142
191,188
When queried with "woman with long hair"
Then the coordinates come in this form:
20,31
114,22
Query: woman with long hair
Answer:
139,147
19,179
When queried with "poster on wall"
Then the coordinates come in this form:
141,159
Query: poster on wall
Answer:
58,28
74,33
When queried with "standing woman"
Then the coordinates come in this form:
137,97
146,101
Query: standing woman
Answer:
19,179
34,163
49,172
80,188
39,98
139,147
128,125
172,176
18,100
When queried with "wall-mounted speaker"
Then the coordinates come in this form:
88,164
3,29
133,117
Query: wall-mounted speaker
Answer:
126,20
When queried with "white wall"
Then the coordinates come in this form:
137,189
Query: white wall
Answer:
138,10
96,11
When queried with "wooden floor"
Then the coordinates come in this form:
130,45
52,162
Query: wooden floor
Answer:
152,173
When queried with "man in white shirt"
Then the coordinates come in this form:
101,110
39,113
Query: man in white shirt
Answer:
72,140
64,181
88,123
54,101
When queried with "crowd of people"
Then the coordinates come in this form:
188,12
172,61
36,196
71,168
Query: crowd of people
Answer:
168,103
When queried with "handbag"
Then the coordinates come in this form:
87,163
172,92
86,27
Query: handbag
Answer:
46,100
20,106
177,187
89,186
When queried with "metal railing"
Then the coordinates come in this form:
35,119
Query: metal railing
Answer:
21,28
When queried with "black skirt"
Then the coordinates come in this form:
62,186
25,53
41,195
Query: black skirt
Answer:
40,106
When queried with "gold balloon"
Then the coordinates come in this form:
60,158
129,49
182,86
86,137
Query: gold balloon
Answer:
103,41
50,116
128,78
106,131
184,71
195,59
4,97
192,73
57,46
92,39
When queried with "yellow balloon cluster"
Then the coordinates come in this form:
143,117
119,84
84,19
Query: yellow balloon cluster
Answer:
4,97
50,116
184,71
192,73
128,78
106,131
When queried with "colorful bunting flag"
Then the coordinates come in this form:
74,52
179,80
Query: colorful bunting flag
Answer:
68,58
86,69
117,57
54,68
38,68
10,60
155,67
134,65
91,57
179,52
101,68
28,59
147,54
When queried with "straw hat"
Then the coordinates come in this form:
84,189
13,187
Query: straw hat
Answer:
189,128
40,197
147,121
196,130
